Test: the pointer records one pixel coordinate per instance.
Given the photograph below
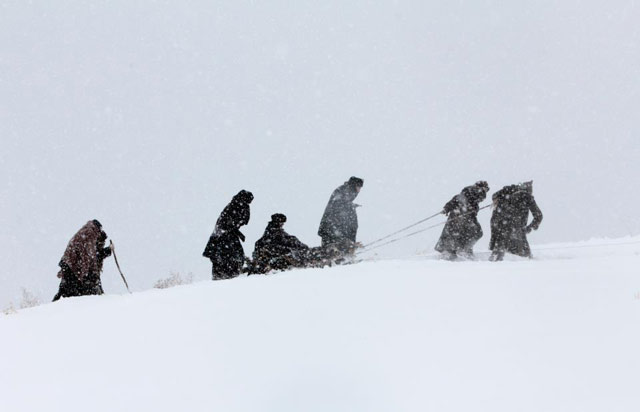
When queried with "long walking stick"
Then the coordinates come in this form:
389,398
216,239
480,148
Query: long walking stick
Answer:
113,250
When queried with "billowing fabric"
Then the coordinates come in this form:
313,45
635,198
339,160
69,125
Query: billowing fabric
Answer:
462,230
224,248
509,229
81,263
227,255
339,224
81,254
236,214
278,250
70,285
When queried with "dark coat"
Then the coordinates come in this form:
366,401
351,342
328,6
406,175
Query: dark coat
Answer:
462,229
81,263
224,248
509,229
339,222
236,214
278,250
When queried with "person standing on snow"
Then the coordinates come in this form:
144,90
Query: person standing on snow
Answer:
462,230
339,224
81,264
509,228
224,248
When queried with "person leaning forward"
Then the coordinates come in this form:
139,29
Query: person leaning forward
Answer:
462,230
224,248
509,228
81,264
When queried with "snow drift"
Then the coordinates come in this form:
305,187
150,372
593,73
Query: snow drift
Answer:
558,333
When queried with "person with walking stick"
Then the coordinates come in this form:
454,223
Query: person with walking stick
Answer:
81,263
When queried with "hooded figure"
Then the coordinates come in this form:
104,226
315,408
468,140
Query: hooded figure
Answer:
81,264
462,230
278,250
509,229
339,224
224,248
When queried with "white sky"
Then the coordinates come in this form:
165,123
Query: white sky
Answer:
151,115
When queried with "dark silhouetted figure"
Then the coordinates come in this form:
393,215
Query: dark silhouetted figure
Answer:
81,264
224,248
339,224
462,230
278,250
509,228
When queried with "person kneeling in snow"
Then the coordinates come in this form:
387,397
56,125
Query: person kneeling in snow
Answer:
81,264
278,250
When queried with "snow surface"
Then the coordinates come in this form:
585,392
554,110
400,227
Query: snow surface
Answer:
150,115
557,333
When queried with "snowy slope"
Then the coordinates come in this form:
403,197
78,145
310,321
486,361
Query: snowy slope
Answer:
559,333
150,115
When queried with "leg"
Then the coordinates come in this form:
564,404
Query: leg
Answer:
216,271
69,286
496,256
92,285
467,252
447,255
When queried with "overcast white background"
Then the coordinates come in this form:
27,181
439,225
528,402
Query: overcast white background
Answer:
150,116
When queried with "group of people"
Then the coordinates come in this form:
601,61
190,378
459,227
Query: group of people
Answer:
276,249
509,228
81,264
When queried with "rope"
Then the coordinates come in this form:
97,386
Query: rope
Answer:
364,249
402,230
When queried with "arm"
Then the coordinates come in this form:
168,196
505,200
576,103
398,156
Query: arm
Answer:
104,253
245,215
239,234
537,215
451,205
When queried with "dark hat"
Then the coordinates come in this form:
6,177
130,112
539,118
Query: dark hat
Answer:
97,223
355,181
278,218
528,186
483,185
245,196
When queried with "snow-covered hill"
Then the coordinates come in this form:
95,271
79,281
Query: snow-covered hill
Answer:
559,333
150,115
